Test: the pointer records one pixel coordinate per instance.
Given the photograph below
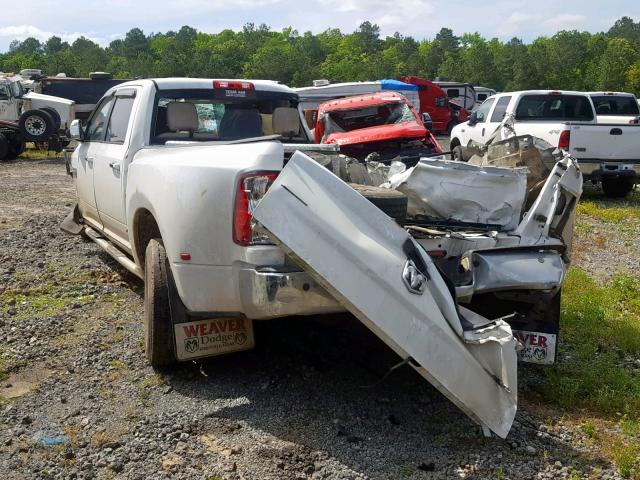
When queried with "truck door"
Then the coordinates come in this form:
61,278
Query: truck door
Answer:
109,166
9,108
497,115
85,161
478,131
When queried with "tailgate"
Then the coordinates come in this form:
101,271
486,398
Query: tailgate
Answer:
382,276
605,142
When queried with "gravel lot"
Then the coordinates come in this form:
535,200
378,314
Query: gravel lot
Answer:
307,403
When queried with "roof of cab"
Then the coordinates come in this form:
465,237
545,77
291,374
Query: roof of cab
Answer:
356,101
179,83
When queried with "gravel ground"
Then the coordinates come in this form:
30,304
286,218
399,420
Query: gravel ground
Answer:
307,403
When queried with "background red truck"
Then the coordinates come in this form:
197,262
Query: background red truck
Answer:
433,100
383,122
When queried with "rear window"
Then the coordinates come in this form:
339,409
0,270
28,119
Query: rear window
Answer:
215,118
615,105
554,107
371,116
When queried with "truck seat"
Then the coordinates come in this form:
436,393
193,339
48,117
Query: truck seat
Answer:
240,122
181,122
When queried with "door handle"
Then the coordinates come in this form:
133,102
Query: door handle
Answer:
89,161
115,166
483,132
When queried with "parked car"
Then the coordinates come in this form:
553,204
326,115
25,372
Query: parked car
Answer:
381,123
175,200
607,154
615,107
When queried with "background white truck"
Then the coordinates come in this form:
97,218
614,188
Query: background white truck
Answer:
607,153
38,117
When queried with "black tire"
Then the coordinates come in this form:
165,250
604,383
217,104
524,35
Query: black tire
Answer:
158,326
456,153
616,188
391,202
4,147
57,121
16,147
450,127
36,125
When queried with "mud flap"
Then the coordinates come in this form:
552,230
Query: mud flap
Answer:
378,272
71,223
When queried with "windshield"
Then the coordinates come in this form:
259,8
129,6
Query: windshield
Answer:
372,116
554,107
615,105
18,91
203,115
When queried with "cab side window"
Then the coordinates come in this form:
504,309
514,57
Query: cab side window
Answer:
501,109
119,120
482,112
97,124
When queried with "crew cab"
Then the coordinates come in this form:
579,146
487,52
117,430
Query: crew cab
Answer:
607,153
384,123
615,107
202,189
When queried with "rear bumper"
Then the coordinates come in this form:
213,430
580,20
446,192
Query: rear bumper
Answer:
596,171
257,292
266,292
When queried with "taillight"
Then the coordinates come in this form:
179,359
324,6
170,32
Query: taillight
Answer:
565,139
233,85
251,188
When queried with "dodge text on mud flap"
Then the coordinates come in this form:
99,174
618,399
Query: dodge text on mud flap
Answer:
538,347
213,337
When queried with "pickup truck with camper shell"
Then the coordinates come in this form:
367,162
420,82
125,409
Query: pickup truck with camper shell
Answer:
607,153
208,191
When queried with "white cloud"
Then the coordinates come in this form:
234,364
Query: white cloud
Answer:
20,32
565,21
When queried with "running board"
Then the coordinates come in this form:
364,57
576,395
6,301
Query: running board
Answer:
118,255
376,270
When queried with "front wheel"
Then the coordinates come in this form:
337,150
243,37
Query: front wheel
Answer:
456,153
36,125
616,188
158,325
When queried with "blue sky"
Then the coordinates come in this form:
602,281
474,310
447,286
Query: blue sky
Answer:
105,20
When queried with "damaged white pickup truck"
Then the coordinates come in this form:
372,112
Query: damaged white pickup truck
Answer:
202,188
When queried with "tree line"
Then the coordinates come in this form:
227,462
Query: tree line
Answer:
569,60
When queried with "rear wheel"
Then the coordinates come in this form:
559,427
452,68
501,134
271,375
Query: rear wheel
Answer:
391,202
616,188
158,326
16,147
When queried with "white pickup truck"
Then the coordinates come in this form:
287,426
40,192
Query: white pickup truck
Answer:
172,174
607,153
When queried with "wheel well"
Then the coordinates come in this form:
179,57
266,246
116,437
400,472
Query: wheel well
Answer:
145,228
454,143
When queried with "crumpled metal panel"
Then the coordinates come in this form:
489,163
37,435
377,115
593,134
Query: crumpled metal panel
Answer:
448,190
361,257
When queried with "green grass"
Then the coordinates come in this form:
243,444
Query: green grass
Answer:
599,326
612,210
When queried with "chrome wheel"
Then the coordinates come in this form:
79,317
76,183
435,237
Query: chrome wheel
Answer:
35,126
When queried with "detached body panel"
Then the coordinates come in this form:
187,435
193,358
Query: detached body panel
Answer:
378,272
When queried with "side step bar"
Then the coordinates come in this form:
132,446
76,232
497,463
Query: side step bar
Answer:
118,255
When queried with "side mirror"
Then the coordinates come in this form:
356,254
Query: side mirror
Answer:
75,130
426,121
473,119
